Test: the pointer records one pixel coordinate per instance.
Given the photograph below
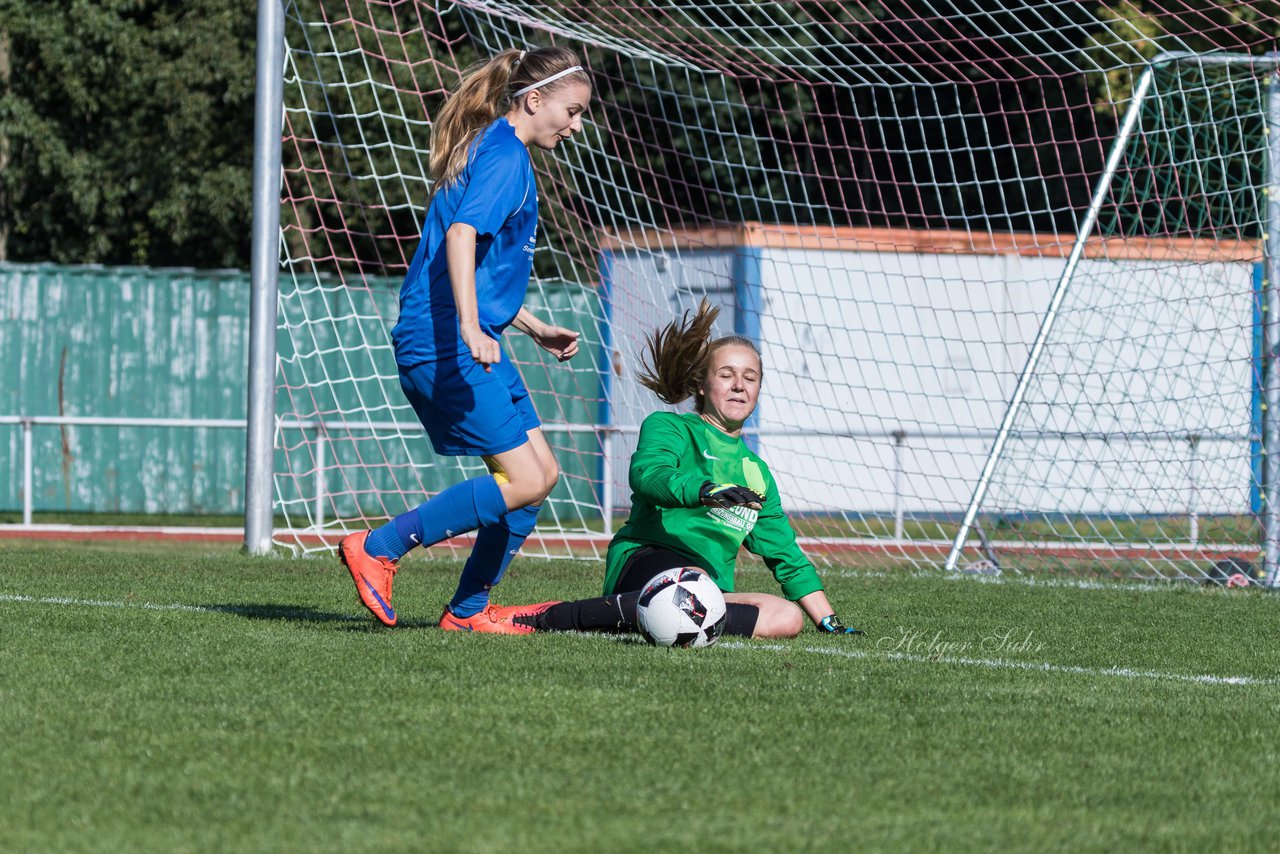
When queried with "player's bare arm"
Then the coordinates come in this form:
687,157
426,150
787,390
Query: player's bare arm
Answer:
556,340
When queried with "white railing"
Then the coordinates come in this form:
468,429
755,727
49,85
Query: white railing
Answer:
28,423
321,428
606,435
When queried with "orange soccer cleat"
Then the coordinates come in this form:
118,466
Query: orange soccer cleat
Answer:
372,575
496,619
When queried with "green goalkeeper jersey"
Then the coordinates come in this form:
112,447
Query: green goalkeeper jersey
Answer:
675,456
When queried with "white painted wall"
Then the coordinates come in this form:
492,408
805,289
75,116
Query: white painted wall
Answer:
862,344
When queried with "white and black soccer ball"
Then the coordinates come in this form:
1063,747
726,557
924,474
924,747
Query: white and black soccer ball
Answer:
681,607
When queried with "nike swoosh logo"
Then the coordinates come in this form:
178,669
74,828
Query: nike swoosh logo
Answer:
386,609
707,454
454,621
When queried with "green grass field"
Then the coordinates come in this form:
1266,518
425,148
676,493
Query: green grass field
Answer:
161,698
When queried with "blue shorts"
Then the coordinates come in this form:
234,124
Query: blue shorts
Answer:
466,411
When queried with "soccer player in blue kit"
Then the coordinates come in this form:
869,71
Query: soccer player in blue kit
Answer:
465,286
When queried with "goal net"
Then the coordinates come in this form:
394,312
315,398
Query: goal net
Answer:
1135,443
887,201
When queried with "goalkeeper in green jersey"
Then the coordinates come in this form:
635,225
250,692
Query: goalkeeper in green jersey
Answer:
699,495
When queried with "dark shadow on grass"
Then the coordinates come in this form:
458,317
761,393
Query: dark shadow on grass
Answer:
300,614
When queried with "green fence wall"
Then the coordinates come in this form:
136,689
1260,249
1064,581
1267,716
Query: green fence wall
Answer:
134,342
123,342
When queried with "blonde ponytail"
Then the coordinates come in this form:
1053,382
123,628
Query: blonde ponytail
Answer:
485,94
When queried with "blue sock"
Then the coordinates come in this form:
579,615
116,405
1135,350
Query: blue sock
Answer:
461,508
495,546
386,541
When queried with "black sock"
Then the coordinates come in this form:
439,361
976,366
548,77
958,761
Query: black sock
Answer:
741,619
607,614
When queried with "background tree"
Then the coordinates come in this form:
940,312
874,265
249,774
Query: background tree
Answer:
126,125
129,128
1209,115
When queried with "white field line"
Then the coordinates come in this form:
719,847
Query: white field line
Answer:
1119,585
1011,664
988,663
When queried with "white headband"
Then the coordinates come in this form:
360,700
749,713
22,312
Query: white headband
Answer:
546,80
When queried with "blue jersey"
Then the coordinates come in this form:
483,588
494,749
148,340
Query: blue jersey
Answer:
495,194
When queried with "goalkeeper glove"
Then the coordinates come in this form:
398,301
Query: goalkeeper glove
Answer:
729,495
832,626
